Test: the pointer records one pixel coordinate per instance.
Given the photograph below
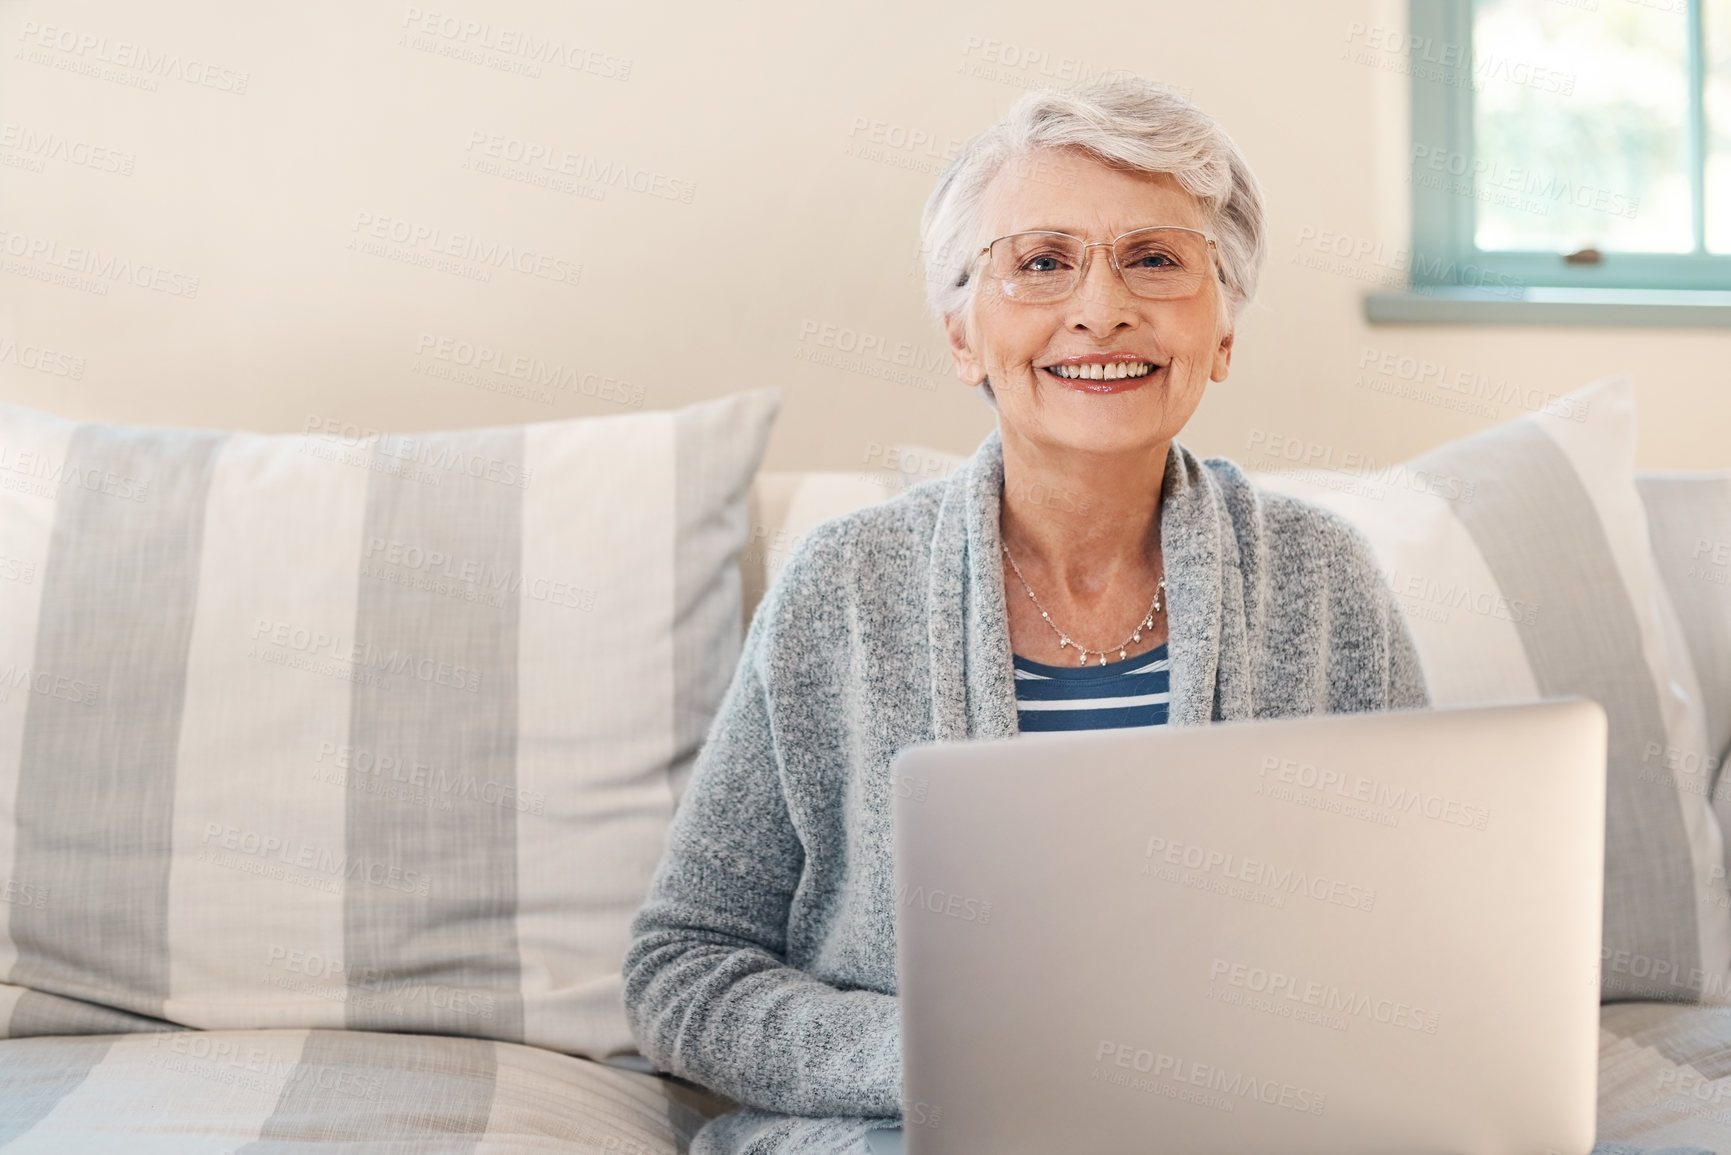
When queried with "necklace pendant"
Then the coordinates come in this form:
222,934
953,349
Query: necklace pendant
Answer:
1121,653
1102,659
1083,660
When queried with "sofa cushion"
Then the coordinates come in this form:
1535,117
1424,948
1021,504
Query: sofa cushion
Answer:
340,729
347,1091
1689,521
1664,1077
1521,558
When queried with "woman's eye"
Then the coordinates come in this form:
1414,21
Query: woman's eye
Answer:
1045,264
1154,261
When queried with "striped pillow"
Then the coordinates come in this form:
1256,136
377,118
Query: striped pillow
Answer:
347,730
1522,560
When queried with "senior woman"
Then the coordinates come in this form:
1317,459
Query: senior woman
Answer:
1090,255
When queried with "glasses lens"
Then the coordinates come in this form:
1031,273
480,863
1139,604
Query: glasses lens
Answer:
1163,262
1036,266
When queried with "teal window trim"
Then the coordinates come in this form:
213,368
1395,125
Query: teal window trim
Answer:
1444,252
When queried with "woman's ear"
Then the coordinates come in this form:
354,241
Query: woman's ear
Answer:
1222,358
969,367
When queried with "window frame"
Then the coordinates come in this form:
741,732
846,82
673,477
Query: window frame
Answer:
1444,252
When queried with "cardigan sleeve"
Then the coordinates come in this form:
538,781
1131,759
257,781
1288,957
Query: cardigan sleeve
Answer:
1406,683
1400,682
708,992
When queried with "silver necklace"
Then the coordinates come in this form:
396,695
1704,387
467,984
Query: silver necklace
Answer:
1065,639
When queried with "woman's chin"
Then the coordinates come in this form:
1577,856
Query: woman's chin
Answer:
1106,438
1106,423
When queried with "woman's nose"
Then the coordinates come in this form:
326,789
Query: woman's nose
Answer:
1102,296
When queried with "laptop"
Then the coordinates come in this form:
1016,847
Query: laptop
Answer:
1367,934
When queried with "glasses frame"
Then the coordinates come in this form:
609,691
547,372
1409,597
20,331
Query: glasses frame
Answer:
1111,248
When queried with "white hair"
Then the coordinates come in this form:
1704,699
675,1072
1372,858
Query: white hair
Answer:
1122,120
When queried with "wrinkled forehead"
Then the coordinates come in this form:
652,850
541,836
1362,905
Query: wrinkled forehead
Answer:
1068,191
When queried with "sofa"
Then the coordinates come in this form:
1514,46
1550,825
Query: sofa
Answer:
333,764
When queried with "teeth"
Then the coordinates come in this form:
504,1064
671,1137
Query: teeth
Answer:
1113,372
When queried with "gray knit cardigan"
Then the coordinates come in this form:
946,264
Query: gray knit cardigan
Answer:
763,963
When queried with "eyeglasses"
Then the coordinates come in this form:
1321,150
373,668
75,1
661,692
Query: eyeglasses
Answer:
1161,263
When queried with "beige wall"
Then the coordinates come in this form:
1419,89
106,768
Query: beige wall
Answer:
217,187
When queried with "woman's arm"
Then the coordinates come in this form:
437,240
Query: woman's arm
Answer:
708,992
1406,685
1373,625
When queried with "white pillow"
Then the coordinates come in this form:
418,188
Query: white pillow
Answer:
1689,516
1521,556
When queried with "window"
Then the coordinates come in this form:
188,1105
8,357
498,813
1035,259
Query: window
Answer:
1571,143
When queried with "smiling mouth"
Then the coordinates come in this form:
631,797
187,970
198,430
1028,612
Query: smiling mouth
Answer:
1116,371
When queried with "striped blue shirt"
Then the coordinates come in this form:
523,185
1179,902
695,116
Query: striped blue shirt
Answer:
1132,692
